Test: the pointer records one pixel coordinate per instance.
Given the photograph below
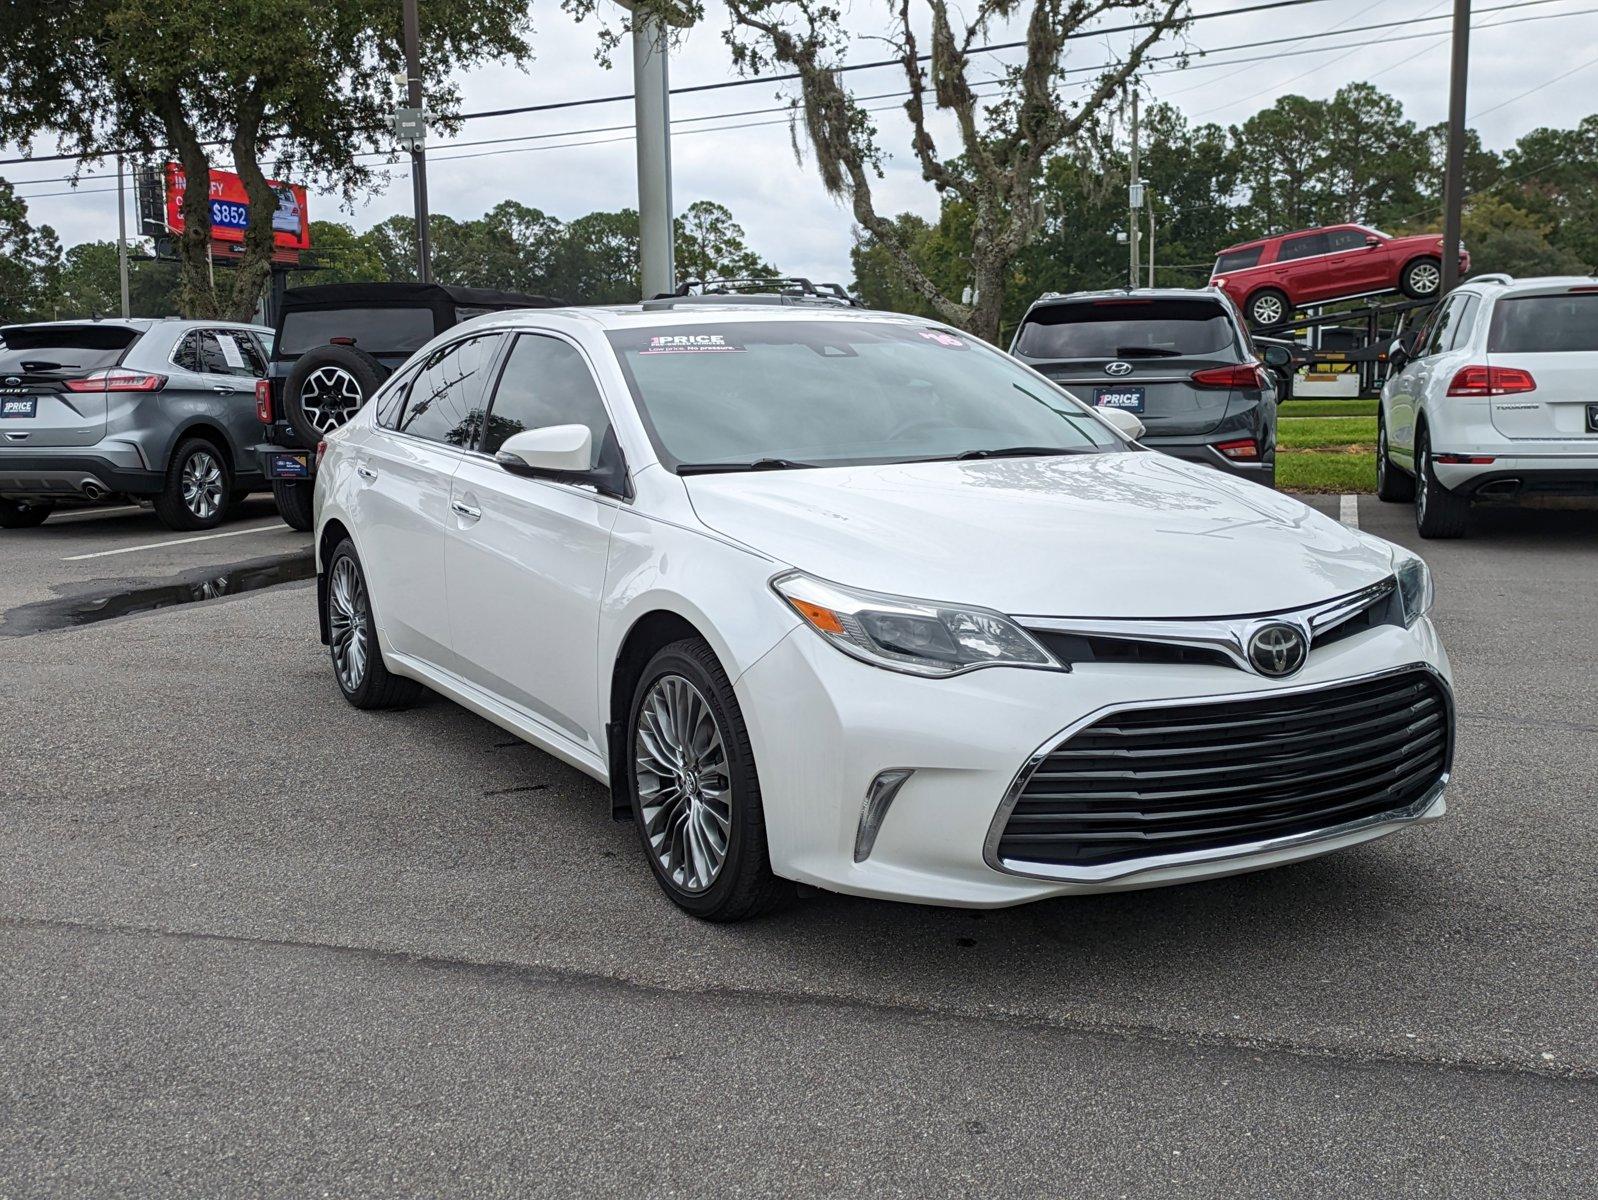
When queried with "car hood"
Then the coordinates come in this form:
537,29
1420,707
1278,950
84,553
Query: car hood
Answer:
1106,535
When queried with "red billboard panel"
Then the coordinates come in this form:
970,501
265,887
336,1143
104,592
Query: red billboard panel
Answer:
230,209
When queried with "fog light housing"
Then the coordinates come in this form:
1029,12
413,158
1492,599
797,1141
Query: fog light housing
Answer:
879,796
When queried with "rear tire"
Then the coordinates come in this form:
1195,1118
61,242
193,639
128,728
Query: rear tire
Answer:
358,664
1392,484
1421,278
1268,308
294,502
198,484
691,782
24,514
1439,513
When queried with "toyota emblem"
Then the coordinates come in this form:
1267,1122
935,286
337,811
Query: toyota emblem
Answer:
1277,649
1118,368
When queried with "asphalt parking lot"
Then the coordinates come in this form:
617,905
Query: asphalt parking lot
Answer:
257,943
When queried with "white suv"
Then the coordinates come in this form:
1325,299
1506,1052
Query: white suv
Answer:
1493,397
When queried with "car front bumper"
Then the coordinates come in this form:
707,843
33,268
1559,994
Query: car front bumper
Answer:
823,726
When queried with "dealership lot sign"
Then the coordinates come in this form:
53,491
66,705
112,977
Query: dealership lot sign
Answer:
230,208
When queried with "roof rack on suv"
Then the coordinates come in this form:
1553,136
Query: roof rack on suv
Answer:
778,290
1493,277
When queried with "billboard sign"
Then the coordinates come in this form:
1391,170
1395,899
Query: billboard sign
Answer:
230,209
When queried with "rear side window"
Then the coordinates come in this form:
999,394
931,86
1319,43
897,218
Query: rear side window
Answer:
446,400
1302,247
1544,324
1238,260
375,330
1345,239
49,349
1128,329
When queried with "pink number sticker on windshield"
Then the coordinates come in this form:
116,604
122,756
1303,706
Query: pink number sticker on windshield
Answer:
942,338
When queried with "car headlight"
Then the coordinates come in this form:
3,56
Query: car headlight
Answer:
914,636
1414,586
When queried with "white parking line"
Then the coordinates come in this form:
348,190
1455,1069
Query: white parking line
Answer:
204,537
1348,510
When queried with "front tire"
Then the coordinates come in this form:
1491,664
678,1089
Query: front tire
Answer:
1267,308
1439,513
1392,484
694,792
294,505
358,664
1421,278
198,484
24,514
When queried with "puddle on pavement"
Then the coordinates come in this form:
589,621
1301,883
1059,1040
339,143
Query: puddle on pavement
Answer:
89,607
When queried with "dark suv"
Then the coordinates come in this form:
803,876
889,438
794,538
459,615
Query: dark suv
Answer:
1179,359
333,345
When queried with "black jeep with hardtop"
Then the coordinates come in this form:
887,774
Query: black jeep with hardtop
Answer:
334,344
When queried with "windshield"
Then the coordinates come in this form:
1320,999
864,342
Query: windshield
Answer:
377,330
766,394
1132,328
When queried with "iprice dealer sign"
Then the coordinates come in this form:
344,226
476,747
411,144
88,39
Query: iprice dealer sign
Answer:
230,209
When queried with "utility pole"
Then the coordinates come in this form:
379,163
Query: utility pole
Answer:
413,100
122,238
1151,238
652,122
1454,177
1134,204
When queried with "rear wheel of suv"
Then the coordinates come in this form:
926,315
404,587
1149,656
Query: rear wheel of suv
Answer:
293,498
352,638
1391,483
695,797
24,514
1439,513
198,484
326,388
1421,278
1268,307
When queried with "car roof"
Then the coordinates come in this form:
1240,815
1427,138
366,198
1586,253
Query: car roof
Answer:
327,295
1532,283
1272,237
1049,299
687,311
142,324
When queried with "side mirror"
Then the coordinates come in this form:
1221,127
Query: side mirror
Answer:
555,451
1276,356
1123,421
1398,354
1372,240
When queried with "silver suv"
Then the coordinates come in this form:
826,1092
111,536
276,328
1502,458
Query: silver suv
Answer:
162,411
1492,398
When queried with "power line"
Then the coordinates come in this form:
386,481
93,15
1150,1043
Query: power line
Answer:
1546,83
1187,66
750,80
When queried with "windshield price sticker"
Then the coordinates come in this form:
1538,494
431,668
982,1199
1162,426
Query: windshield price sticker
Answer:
943,339
691,343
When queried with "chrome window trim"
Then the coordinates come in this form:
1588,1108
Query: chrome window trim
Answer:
1231,635
1129,868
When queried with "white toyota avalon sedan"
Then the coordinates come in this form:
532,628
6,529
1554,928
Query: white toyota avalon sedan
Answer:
855,600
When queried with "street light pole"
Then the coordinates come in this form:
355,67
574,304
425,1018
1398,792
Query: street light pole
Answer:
1454,175
652,123
122,238
413,98
1134,204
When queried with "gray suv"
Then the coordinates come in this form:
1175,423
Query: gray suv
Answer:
162,411
1179,359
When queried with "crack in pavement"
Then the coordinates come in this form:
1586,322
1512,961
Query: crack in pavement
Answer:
534,974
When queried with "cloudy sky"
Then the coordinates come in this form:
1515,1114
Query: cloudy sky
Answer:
1527,73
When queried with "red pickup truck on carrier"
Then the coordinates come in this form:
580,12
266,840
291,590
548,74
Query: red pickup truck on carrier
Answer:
1270,277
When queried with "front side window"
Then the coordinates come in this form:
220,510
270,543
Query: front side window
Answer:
1132,328
1238,260
545,382
230,352
830,393
445,401
1302,247
1345,239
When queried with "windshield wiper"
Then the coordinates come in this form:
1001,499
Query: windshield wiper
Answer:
1017,452
759,464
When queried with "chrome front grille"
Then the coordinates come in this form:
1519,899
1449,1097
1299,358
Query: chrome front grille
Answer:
1200,777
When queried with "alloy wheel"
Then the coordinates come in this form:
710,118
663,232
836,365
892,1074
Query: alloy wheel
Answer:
202,484
349,624
684,784
1425,278
1267,310
1381,456
1423,474
329,397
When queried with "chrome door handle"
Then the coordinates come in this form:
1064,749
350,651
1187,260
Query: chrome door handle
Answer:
221,389
465,510
365,472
